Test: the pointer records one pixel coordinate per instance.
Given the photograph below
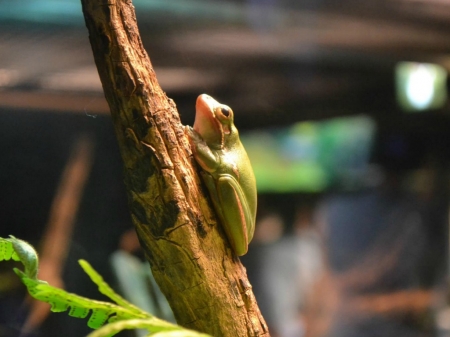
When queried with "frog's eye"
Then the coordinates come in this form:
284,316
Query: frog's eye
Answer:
225,112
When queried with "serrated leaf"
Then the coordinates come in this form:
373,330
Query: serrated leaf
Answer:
78,306
181,333
155,326
106,290
7,251
120,316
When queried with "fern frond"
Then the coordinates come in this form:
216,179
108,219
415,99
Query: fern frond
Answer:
7,251
106,290
119,316
78,306
155,327
61,300
180,333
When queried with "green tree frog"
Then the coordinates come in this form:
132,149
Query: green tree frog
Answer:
226,170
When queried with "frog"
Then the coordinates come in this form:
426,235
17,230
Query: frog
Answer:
225,170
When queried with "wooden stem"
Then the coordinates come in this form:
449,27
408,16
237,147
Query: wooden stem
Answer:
204,282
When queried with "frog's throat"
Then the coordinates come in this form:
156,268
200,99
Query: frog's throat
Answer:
209,128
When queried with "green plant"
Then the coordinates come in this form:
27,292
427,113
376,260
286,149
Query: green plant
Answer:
108,318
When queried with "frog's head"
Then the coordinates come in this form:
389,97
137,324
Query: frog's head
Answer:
213,121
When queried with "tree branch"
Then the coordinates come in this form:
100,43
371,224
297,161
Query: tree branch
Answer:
204,282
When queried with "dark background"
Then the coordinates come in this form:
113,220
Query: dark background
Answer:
274,62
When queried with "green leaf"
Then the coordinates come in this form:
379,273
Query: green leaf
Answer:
27,255
99,312
106,290
7,251
77,306
180,333
156,327
120,316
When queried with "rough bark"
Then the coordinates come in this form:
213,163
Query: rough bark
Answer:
204,282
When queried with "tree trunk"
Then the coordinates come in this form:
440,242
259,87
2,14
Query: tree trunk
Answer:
204,282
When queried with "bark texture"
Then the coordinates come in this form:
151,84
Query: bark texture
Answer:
205,284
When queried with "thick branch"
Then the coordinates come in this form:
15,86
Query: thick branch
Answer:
204,282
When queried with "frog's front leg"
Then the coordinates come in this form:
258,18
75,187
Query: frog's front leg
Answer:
201,151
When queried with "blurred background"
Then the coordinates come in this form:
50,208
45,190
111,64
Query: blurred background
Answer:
343,109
